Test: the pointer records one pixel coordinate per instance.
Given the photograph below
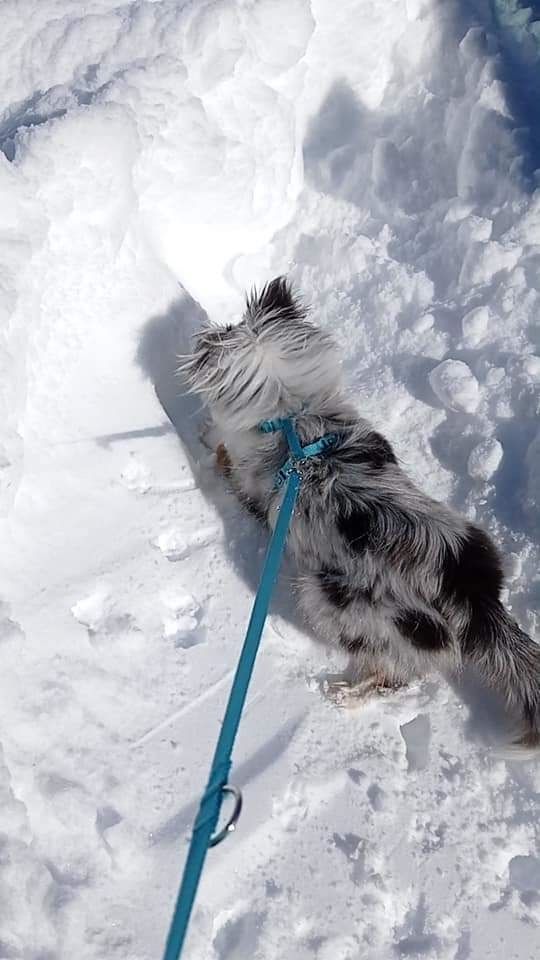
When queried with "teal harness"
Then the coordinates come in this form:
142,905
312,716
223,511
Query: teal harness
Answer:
298,453
204,836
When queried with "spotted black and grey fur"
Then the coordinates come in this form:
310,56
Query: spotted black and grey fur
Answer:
400,581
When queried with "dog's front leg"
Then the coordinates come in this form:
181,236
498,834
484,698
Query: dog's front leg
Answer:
223,460
209,434
211,438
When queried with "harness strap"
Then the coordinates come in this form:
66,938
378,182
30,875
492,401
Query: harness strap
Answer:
203,835
298,452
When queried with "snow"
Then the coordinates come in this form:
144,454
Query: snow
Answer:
475,325
157,159
485,459
455,385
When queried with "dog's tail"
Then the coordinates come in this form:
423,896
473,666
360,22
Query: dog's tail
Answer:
509,661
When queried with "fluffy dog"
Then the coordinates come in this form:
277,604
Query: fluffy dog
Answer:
398,580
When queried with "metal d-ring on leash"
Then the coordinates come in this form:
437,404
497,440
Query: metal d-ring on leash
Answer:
203,836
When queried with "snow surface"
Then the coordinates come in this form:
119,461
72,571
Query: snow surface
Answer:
157,158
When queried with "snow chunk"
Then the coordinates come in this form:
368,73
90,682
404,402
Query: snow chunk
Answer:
477,229
280,49
455,386
495,376
531,367
484,460
26,880
457,211
181,630
424,323
93,610
136,476
482,264
474,325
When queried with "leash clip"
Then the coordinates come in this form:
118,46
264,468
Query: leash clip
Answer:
233,819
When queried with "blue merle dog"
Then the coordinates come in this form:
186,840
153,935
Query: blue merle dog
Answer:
398,580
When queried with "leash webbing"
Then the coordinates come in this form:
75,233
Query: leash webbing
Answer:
203,830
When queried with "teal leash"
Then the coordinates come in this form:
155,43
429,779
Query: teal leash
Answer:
204,836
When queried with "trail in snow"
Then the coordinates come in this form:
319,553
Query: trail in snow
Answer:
157,158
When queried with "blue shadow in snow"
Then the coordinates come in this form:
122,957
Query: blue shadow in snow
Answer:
163,339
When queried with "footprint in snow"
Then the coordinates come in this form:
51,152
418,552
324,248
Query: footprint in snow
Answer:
137,477
292,807
9,629
523,889
413,938
237,933
181,620
417,735
99,614
106,818
51,783
354,849
376,797
175,545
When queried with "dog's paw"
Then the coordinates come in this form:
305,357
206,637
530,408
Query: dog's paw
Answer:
345,693
351,694
384,685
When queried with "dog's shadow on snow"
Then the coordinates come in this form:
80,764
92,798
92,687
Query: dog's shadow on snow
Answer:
163,339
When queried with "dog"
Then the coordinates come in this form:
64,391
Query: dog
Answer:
399,581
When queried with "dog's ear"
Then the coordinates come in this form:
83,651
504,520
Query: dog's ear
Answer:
276,301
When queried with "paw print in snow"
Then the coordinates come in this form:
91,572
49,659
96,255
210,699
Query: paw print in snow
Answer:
99,614
292,807
93,611
181,620
175,545
136,476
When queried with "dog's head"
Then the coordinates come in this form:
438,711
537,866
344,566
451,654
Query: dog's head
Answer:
274,362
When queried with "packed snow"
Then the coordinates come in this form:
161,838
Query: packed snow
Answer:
455,386
484,459
158,158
